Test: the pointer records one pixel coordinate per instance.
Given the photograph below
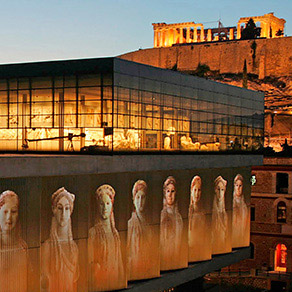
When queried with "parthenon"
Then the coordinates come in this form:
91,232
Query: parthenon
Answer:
166,35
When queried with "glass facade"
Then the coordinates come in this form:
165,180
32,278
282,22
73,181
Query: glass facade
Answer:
116,105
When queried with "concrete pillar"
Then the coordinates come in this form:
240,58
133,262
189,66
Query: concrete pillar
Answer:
195,34
202,34
289,183
188,34
272,258
238,30
289,261
181,35
231,34
273,183
209,36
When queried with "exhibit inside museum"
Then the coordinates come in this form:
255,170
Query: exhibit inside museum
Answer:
116,105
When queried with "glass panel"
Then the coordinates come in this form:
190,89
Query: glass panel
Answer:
89,80
3,84
41,82
41,114
13,109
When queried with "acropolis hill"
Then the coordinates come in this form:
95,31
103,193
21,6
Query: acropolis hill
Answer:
183,46
186,46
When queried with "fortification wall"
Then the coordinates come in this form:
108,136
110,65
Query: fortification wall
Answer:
271,57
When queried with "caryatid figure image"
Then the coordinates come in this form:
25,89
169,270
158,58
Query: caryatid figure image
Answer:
104,246
140,265
240,217
13,249
171,227
198,237
219,216
59,253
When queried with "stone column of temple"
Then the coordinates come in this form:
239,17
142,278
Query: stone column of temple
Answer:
161,38
202,34
238,30
167,37
174,35
195,34
155,38
231,34
263,29
188,35
209,36
181,35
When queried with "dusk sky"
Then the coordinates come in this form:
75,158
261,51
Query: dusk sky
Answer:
33,30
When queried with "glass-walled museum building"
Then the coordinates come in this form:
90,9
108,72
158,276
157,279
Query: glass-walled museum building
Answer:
102,222
117,105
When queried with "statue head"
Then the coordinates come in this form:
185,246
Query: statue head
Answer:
238,186
169,191
220,188
62,206
139,193
9,204
105,195
196,189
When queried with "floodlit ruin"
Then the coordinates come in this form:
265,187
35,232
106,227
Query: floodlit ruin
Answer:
166,35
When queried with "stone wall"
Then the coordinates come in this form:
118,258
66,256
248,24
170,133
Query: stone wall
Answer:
271,57
263,183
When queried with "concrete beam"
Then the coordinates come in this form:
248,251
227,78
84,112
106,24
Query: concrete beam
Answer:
194,271
50,165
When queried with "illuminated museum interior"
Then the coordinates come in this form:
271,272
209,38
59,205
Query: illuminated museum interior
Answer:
113,104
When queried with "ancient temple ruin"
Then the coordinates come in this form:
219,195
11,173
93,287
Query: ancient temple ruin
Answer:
166,35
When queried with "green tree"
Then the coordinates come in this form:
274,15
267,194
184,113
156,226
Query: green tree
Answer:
279,32
250,31
202,70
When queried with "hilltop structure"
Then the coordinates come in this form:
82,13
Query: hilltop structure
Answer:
166,35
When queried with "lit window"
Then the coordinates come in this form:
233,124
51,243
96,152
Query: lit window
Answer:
281,258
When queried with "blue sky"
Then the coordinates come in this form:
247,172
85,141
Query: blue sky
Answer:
33,30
